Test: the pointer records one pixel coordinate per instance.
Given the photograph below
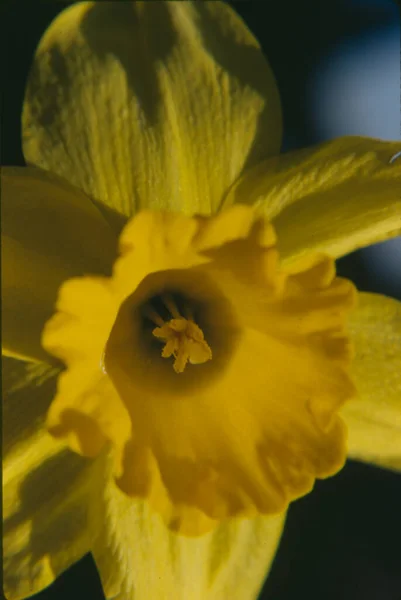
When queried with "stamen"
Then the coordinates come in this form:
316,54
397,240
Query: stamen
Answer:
171,306
188,313
185,341
152,315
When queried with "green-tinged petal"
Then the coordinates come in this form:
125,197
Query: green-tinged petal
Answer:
50,232
48,492
374,419
335,197
153,562
153,104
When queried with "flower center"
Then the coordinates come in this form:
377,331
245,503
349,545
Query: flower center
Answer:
182,337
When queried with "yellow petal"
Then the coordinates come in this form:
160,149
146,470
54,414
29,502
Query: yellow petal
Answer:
228,563
47,490
374,419
241,434
154,104
50,232
333,198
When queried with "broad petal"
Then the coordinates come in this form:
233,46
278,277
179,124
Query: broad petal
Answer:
47,490
334,198
230,562
50,231
154,104
374,420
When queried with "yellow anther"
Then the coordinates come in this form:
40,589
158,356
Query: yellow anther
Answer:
185,341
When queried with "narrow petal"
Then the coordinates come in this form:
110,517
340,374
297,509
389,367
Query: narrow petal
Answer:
50,231
230,562
47,489
334,198
374,419
153,104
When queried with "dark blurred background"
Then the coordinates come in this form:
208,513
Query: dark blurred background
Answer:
337,64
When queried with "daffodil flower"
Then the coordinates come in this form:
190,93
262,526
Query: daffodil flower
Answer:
171,312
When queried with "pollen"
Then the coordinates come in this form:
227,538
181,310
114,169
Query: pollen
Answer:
182,337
